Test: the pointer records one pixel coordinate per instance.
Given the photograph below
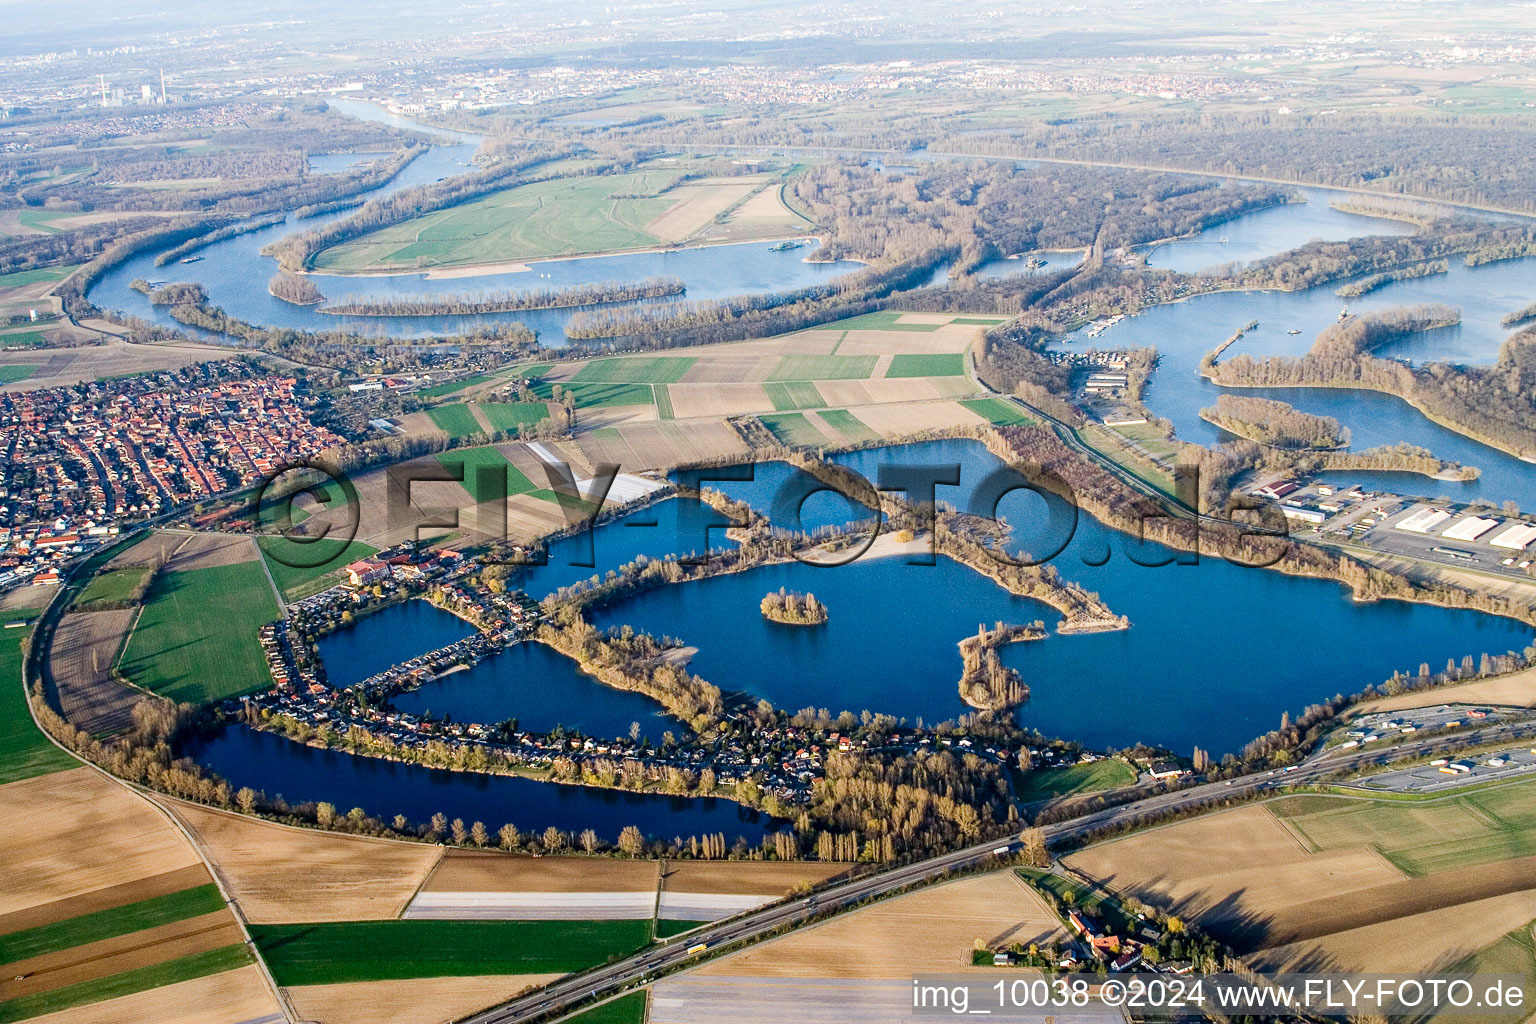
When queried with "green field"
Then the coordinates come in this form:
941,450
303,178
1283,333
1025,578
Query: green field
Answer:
946,364
300,581
847,424
824,368
561,217
106,924
21,277
319,954
568,502
798,394
663,402
1082,895
113,585
24,339
448,388
12,372
1050,783
1422,838
198,965
1000,412
458,420
883,321
24,751
667,929
627,1009
793,429
1513,953
589,395
473,459
509,416
196,638
648,370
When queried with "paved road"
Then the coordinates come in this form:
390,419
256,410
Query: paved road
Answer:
551,1002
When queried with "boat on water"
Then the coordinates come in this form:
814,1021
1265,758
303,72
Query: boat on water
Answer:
1223,239
192,259
1294,330
1344,314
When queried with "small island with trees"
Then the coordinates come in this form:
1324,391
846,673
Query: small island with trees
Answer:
793,608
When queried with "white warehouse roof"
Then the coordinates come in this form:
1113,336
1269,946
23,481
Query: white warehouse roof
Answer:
1470,528
1424,520
1517,538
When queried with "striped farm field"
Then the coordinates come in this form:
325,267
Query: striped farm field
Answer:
636,370
474,462
110,923
883,321
457,420
663,402
793,429
169,972
1001,413
319,954
943,364
792,395
847,424
804,368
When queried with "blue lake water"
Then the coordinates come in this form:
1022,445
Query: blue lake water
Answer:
1272,230
299,773
387,637
541,688
1184,331
1210,658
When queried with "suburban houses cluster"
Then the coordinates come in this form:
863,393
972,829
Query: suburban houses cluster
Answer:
82,461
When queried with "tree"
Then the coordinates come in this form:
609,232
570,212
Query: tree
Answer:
1036,852
589,840
245,799
553,839
478,834
632,841
510,837
325,814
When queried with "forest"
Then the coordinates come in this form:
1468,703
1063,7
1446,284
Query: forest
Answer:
476,303
1275,423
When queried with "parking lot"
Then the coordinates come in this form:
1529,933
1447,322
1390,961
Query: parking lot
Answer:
1456,772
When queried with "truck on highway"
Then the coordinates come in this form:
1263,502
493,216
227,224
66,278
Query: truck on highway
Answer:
698,947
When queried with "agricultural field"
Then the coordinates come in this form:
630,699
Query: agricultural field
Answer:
286,875
84,648
794,430
474,461
509,416
53,367
92,927
10,373
573,216
412,1001
845,423
635,370
947,364
196,639
1422,838
112,586
24,751
591,395
319,954
1517,689
299,581
829,367
998,412
457,421
932,929
792,395
1053,783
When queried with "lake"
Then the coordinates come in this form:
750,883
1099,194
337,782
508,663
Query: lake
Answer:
300,773
541,688
1211,658
387,637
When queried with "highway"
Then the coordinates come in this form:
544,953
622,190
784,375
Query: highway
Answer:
555,1000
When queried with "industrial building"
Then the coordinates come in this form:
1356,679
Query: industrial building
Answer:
1424,520
1470,528
1518,537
